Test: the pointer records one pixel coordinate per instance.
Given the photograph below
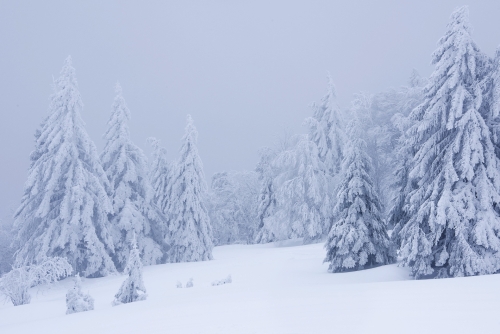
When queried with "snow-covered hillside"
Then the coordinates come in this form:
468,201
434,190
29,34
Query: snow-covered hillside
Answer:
276,288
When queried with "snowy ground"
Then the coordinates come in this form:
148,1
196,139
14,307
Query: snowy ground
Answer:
275,289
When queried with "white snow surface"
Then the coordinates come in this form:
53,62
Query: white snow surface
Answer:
276,288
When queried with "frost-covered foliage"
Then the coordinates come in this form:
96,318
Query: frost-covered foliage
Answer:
16,283
65,204
190,284
131,193
454,223
190,232
490,107
6,251
159,174
76,300
384,118
358,238
302,194
233,207
326,130
267,195
132,289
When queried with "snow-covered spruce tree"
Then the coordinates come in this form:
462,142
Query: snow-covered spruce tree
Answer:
159,174
490,108
132,289
233,207
65,204
326,130
131,193
398,155
76,300
454,221
358,238
303,199
189,223
267,196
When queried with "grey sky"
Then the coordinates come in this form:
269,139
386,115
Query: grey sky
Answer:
244,71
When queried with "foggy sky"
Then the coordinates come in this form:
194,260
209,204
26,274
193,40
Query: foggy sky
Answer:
244,71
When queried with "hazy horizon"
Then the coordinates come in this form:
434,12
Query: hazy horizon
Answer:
245,72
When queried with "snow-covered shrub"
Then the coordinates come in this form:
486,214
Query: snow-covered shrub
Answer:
189,283
226,280
16,283
132,289
76,300
179,285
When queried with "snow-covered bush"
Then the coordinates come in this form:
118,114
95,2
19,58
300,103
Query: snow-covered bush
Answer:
190,283
179,285
132,289
16,283
76,300
226,280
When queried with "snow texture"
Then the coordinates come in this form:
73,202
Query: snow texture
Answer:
65,206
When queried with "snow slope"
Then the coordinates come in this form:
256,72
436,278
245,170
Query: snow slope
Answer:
281,288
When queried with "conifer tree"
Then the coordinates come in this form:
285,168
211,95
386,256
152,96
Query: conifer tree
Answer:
490,108
132,289
76,300
131,191
159,174
454,222
65,204
189,223
303,195
326,130
267,197
358,238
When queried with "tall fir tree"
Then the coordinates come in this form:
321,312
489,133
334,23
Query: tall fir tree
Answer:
267,197
65,204
189,223
454,222
490,108
131,192
303,200
159,174
358,237
326,130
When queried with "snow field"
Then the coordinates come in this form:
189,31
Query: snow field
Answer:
281,288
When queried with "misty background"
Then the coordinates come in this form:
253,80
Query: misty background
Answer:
246,72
